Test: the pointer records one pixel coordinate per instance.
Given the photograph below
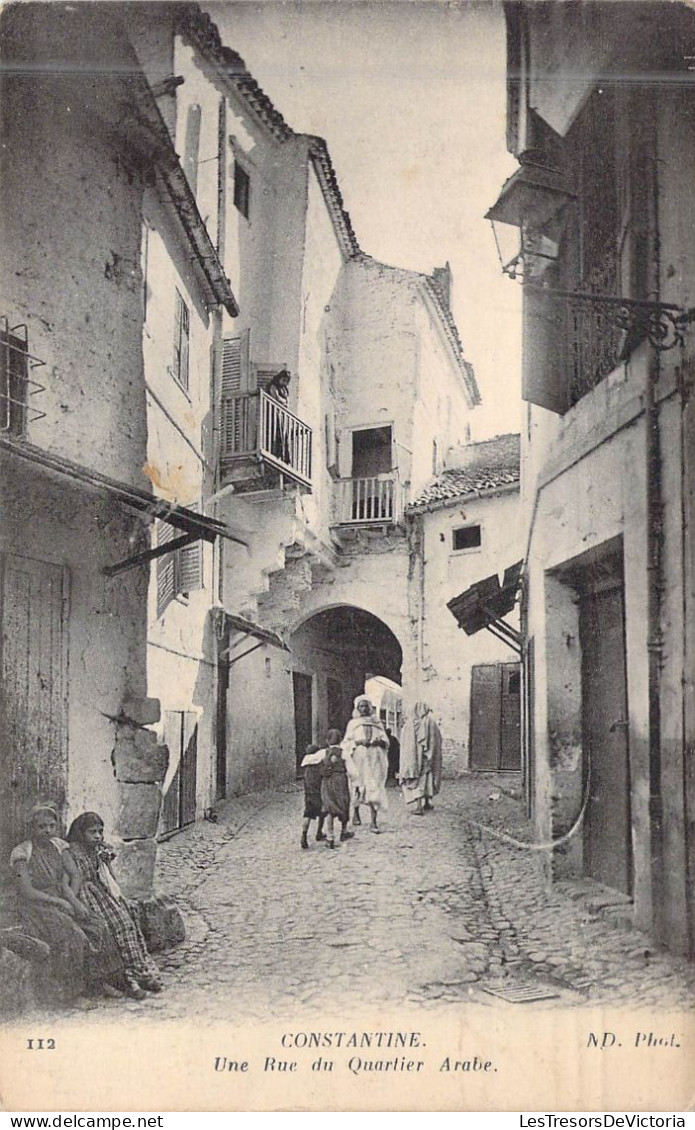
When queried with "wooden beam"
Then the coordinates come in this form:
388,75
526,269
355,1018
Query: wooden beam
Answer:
149,555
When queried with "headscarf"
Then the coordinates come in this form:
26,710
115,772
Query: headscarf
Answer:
45,806
82,824
361,698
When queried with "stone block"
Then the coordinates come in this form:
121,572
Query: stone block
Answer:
17,988
138,757
134,867
138,811
160,921
142,711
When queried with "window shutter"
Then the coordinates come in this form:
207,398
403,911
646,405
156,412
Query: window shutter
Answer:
544,370
231,365
190,573
166,567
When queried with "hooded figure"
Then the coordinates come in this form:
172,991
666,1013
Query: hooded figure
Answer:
420,770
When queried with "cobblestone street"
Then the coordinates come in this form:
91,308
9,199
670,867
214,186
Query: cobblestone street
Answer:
425,914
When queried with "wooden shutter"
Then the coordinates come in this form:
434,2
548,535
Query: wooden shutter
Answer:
544,371
190,568
166,567
235,381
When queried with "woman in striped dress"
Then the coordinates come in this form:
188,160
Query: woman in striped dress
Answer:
99,892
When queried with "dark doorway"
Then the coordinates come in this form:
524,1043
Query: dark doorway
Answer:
495,738
221,730
303,717
336,715
607,824
371,452
181,739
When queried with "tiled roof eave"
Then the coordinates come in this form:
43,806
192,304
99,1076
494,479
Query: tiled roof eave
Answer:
418,507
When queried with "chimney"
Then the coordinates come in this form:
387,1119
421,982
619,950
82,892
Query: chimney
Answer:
441,276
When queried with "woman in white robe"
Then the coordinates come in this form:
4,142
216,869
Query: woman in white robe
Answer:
365,747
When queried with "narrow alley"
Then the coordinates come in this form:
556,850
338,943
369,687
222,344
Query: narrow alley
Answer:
427,914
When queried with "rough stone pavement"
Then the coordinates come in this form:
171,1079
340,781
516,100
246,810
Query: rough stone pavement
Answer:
424,914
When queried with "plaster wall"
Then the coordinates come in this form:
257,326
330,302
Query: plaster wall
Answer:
315,399
441,413
181,649
599,498
49,519
87,217
373,345
447,653
260,730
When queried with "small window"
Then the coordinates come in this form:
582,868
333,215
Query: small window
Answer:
466,537
242,189
181,338
435,457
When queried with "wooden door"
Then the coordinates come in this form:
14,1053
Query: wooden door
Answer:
496,717
510,717
33,708
303,718
181,738
607,824
486,716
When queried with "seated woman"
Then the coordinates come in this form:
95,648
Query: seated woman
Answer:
83,957
99,891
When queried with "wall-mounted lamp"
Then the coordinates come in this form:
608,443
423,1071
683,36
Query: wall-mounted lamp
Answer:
529,217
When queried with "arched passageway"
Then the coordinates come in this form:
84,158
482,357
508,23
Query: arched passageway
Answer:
333,652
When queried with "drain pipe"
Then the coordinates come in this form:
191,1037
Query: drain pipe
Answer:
654,521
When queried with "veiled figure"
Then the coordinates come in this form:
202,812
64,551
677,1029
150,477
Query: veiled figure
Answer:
365,747
420,770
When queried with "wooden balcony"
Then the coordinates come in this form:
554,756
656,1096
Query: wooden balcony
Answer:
262,442
373,501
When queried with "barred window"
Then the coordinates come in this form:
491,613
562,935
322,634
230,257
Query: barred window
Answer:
13,384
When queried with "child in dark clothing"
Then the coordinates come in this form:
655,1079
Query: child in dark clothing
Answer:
311,764
335,792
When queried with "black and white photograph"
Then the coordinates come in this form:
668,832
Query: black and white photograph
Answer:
347,559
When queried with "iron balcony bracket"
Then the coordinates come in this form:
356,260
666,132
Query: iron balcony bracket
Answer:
662,323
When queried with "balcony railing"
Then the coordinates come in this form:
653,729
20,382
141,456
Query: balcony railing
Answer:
374,500
593,338
256,426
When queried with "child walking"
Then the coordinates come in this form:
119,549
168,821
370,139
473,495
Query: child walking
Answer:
311,764
335,792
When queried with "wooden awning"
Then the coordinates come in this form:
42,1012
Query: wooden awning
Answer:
485,603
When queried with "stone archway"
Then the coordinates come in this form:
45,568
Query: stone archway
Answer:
333,652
